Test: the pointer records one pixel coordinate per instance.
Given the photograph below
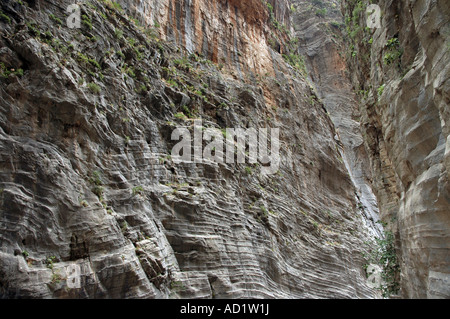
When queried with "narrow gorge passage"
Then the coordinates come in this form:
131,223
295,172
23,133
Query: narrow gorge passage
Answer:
226,149
322,42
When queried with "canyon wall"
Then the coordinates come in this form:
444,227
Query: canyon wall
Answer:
401,72
233,33
93,204
322,42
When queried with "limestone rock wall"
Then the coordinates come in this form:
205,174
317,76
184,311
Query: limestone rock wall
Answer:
230,32
87,178
402,72
321,40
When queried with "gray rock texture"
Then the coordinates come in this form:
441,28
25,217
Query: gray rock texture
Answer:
402,73
87,178
322,42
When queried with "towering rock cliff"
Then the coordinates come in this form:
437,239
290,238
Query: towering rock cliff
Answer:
88,183
401,71
93,203
233,33
321,40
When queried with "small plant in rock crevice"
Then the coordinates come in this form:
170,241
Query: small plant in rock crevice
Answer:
94,88
380,90
382,253
138,190
394,52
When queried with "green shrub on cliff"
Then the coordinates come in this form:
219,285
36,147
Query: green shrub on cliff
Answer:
297,62
383,254
4,17
395,52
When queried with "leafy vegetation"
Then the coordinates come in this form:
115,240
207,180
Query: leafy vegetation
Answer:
96,178
395,52
5,72
50,261
87,61
381,90
382,253
94,88
113,5
33,29
55,19
138,190
275,23
85,20
321,12
4,17
353,27
56,278
98,190
297,62
118,33
180,116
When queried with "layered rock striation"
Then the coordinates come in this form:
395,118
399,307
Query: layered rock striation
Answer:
232,33
93,204
319,29
401,71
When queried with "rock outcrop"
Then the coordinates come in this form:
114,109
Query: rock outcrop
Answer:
319,29
231,33
402,73
88,183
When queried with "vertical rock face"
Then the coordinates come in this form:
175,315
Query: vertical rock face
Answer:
231,32
319,26
93,204
402,71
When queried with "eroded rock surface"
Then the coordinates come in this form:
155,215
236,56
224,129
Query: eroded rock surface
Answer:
402,73
87,178
319,29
